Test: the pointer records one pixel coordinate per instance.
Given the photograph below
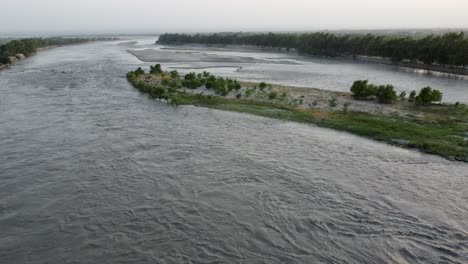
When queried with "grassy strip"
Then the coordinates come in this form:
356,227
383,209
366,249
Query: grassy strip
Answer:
447,138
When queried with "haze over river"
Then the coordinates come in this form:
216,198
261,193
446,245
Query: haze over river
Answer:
93,171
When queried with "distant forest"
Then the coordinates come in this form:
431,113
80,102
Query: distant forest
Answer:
446,49
30,45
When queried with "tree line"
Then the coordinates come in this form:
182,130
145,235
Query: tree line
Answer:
446,49
30,45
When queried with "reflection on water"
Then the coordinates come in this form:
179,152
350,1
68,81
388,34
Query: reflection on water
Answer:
92,171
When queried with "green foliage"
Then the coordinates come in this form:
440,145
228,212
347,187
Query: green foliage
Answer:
166,82
262,86
272,95
174,74
427,95
346,107
192,84
233,85
402,96
190,76
386,94
139,71
156,69
361,89
332,102
412,96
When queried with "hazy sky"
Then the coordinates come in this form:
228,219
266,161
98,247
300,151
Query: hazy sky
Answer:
21,16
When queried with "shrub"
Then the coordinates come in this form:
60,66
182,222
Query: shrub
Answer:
272,95
233,85
156,69
165,82
156,91
412,96
345,107
386,94
192,83
174,74
427,95
332,102
402,96
263,85
139,71
362,90
190,76
221,90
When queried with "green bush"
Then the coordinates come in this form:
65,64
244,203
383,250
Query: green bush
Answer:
346,107
272,95
174,74
427,95
412,96
192,83
402,96
332,102
233,85
361,89
386,94
190,76
139,71
156,69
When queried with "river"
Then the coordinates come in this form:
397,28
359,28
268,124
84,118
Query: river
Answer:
92,171
253,64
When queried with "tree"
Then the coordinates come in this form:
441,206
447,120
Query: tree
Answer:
139,71
386,94
427,95
174,74
361,89
412,96
156,69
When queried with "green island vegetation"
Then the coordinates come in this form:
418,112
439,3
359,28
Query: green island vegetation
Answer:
386,94
11,50
446,49
429,125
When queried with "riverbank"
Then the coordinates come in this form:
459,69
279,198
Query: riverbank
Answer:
437,129
445,53
447,69
17,50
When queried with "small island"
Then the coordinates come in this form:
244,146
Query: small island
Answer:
416,120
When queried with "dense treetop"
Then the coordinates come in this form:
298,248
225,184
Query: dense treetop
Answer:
446,49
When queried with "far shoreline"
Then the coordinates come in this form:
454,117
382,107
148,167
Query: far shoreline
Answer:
435,69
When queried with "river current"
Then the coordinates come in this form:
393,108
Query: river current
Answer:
92,171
